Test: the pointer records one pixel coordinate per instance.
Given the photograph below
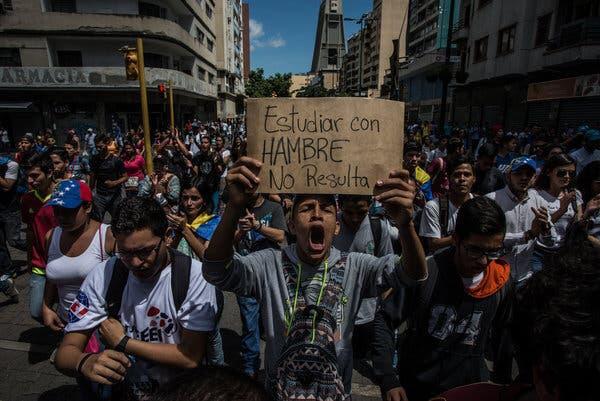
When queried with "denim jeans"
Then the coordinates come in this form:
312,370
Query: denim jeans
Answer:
249,312
11,222
107,203
538,259
37,283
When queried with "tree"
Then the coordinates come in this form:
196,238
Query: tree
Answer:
259,86
319,91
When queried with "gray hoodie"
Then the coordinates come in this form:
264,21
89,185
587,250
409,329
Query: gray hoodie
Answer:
260,275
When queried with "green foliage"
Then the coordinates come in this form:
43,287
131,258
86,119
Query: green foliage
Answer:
319,91
259,86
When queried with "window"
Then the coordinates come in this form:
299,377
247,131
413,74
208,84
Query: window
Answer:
69,58
332,56
543,29
210,45
209,11
64,6
483,3
211,78
7,4
153,60
152,10
199,35
201,74
10,57
480,52
506,40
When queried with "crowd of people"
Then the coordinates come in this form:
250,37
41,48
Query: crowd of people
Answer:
470,274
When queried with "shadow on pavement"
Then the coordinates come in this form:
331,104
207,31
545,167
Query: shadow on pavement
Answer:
62,393
231,347
43,342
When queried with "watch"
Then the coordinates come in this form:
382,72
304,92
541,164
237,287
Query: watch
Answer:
122,344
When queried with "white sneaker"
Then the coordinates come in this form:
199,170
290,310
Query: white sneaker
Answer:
11,291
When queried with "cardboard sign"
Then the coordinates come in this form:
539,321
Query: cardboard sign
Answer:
325,145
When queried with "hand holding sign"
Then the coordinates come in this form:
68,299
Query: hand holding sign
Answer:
397,194
242,181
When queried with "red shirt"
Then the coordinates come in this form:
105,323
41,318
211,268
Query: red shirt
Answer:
43,222
31,203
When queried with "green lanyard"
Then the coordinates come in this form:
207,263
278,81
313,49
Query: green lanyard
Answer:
295,305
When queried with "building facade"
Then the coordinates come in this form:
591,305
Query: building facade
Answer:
230,58
368,75
246,39
60,64
420,75
533,62
330,44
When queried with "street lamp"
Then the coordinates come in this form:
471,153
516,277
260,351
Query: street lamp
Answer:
363,18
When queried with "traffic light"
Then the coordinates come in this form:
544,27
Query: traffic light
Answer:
162,89
131,64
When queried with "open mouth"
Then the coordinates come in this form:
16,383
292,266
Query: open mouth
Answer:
316,238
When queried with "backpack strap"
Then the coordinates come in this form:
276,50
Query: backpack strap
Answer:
118,280
425,292
333,288
444,208
180,277
376,231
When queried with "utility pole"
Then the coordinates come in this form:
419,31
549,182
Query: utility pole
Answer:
144,101
171,108
447,78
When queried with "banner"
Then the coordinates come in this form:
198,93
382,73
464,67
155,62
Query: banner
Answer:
325,145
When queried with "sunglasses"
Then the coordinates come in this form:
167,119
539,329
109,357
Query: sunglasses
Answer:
563,173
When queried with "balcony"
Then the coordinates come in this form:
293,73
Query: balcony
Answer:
579,33
130,26
460,30
99,78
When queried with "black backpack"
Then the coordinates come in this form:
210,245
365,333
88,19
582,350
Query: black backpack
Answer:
180,281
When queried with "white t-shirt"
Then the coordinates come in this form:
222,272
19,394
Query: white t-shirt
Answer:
559,228
12,170
430,219
147,314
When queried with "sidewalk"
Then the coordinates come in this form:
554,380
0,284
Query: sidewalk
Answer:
25,346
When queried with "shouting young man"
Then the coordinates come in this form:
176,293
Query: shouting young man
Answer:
309,293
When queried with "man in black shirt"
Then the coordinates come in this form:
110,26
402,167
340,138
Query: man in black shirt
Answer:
467,295
107,177
208,166
487,177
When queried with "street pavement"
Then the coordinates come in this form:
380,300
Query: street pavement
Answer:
26,373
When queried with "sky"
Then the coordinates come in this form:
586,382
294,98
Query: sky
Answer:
282,32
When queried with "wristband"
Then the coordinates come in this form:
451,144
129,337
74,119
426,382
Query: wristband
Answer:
122,344
81,362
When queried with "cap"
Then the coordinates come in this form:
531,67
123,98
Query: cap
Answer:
592,135
521,162
71,194
411,147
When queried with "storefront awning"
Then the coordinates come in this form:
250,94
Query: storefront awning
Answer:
11,106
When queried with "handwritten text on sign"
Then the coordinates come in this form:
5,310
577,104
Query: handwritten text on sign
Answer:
325,145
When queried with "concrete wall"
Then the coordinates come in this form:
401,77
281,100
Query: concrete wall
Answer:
34,50
109,6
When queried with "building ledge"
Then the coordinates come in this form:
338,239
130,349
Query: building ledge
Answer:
99,78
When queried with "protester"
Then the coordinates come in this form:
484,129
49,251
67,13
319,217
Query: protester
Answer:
319,279
154,322
107,177
506,152
589,152
78,165
439,215
555,187
588,183
464,304
10,224
487,177
209,165
60,160
134,165
75,247
412,153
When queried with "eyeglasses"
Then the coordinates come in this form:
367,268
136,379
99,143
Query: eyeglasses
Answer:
563,173
476,252
142,254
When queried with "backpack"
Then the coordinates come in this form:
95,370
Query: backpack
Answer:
180,280
307,367
444,209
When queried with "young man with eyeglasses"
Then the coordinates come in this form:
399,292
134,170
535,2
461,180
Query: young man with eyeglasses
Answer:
450,316
154,339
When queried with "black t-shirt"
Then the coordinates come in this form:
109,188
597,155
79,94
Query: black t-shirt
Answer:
270,214
107,169
489,181
208,163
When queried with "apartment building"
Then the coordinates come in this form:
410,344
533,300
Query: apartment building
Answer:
421,74
366,75
329,47
230,58
60,64
533,62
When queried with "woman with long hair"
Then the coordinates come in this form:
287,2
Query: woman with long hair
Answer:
192,229
555,187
